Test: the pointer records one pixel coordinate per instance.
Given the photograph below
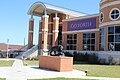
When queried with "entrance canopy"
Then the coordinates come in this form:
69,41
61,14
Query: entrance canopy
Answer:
39,9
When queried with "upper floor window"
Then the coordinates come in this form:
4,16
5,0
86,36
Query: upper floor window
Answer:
114,14
101,17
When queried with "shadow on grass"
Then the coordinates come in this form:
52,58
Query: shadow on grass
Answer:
85,63
76,62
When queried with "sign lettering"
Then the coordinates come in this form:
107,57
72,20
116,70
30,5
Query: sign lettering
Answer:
82,24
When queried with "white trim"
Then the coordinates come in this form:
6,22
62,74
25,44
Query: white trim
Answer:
45,16
45,30
45,49
109,4
63,10
102,1
111,11
40,21
55,31
89,30
31,19
50,33
31,31
40,32
50,22
82,17
54,9
56,18
109,23
61,23
100,17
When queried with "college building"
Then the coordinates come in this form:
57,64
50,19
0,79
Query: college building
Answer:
76,31
11,50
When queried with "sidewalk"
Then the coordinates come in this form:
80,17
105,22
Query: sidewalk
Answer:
16,71
20,72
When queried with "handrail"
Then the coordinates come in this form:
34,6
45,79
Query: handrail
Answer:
30,51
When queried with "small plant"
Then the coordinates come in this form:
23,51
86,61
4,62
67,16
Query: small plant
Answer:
110,59
68,54
93,58
116,61
102,61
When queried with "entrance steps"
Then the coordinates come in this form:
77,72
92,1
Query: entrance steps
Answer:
28,52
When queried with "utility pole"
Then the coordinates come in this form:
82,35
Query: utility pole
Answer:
7,47
24,41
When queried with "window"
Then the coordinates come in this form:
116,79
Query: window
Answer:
60,36
101,44
89,41
114,14
71,41
101,17
114,38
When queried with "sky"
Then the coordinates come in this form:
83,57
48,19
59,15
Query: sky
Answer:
14,19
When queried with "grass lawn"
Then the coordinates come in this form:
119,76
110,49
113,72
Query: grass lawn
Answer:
6,63
2,79
30,62
99,70
92,69
61,79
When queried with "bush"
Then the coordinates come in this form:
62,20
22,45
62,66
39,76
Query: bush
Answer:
93,58
32,58
83,57
116,61
68,54
102,61
110,59
80,56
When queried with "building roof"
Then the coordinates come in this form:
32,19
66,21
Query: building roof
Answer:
81,17
3,47
38,9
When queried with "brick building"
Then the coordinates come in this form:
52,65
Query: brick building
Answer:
76,31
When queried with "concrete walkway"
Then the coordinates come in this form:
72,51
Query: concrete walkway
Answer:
15,72
20,72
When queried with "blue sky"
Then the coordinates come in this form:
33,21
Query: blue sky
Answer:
14,19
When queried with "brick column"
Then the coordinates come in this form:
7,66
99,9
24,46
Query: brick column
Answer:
55,31
30,33
44,33
40,36
79,41
97,40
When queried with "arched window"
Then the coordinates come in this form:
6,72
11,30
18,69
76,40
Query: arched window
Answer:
114,14
101,17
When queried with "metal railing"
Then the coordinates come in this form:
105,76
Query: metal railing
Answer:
29,51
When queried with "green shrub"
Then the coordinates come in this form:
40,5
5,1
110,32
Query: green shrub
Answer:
110,59
83,57
93,58
68,54
116,61
102,61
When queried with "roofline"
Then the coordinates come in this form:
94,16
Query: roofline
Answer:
58,9
38,2
65,8
12,44
81,17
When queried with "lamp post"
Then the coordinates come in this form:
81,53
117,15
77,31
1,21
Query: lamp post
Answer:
7,47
